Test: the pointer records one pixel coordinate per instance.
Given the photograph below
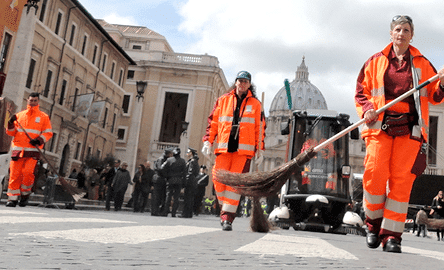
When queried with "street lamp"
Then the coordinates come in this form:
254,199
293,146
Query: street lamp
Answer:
141,85
184,127
30,4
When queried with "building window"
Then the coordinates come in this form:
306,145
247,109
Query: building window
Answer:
137,47
76,93
43,10
171,127
62,93
104,118
48,83
98,153
433,139
114,122
120,77
4,52
30,73
363,147
104,62
73,33
121,134
113,66
58,23
52,145
130,74
88,154
85,40
95,54
78,147
125,103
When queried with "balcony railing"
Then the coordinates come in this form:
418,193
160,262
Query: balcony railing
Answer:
180,58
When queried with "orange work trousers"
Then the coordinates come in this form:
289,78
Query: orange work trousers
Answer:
21,177
227,196
387,182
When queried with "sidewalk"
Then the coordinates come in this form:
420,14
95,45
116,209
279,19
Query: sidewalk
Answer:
82,204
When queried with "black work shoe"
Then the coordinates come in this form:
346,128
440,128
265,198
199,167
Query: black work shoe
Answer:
11,204
392,245
226,226
24,201
372,240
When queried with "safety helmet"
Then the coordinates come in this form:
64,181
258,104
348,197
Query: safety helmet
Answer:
281,212
243,75
352,218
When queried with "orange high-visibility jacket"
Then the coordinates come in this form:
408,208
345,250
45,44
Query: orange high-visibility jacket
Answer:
370,92
221,118
37,125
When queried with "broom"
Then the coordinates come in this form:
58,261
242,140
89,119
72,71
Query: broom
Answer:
76,193
432,223
258,221
269,183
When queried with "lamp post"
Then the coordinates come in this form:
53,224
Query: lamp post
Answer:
141,86
132,143
183,137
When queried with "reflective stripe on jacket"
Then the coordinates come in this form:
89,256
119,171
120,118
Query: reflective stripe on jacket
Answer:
370,92
36,123
221,118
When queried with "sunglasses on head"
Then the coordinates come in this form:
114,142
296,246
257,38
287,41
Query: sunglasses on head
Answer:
397,17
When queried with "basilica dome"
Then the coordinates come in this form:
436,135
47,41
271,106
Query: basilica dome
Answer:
304,95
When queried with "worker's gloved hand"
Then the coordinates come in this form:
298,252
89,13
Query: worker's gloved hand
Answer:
206,149
12,119
259,157
36,142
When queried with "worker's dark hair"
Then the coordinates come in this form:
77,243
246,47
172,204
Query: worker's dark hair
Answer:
34,94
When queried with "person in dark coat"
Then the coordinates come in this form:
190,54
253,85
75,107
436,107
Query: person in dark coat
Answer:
108,183
120,185
142,185
438,212
190,186
202,181
175,169
159,184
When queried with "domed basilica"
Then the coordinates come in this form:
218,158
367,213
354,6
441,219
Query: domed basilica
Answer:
304,96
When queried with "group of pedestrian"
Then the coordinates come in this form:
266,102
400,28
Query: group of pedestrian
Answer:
172,174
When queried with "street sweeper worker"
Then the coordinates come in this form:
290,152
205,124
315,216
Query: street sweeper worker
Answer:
24,153
234,127
396,140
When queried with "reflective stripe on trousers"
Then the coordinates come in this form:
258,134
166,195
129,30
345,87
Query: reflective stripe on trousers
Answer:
227,196
21,177
387,179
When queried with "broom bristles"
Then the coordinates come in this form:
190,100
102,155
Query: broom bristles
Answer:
264,184
258,221
76,193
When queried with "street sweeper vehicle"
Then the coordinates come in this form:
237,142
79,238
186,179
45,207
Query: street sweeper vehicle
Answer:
317,195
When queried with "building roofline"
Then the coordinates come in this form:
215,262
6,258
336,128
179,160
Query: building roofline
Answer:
103,31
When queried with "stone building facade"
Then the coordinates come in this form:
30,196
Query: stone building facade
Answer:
180,88
80,71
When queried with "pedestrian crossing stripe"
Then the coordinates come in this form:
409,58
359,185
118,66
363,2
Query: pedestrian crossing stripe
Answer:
121,235
18,219
272,244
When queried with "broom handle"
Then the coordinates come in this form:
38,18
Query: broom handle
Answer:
40,151
380,110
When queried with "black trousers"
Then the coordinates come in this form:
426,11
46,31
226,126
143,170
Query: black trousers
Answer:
188,197
158,198
118,198
173,193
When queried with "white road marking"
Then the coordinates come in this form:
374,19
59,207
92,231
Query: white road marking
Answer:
15,220
122,235
423,252
18,212
272,244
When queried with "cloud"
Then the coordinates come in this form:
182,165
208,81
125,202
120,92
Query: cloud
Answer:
114,18
269,39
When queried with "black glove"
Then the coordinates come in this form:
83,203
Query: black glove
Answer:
35,142
12,119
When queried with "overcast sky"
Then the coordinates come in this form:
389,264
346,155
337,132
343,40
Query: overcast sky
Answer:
269,38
